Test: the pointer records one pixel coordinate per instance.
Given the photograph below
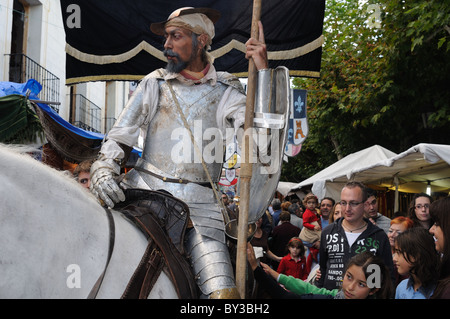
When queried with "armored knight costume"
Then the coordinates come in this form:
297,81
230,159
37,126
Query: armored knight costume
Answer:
171,109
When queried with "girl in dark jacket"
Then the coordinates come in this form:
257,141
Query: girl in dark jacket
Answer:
366,277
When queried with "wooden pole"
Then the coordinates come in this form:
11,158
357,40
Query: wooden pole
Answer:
246,165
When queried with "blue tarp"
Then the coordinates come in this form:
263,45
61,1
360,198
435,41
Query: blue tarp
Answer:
8,88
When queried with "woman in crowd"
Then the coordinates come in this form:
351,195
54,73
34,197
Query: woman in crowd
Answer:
440,212
419,210
336,212
261,239
398,226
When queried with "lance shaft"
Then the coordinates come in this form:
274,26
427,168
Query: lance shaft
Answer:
246,165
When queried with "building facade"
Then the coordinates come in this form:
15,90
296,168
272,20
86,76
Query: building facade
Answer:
32,45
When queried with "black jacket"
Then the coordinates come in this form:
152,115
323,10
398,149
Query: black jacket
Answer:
335,251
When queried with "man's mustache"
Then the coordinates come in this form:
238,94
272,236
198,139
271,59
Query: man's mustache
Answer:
170,53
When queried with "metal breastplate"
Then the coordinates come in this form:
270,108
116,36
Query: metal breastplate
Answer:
168,145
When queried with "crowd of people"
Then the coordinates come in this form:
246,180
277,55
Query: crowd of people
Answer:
357,251
323,249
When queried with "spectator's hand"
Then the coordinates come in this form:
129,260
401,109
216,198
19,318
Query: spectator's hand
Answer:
251,256
318,274
256,49
269,271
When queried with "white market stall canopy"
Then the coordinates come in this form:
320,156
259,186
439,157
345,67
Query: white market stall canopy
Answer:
409,171
284,188
342,168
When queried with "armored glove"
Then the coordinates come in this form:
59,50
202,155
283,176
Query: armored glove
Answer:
103,184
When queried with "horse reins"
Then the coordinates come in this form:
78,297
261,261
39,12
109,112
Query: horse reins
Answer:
112,235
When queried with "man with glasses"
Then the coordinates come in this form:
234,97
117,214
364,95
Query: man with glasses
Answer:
350,235
372,213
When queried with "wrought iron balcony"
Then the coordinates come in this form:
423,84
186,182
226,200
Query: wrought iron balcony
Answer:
87,114
22,68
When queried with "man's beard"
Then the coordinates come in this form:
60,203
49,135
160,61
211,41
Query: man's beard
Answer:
178,65
175,66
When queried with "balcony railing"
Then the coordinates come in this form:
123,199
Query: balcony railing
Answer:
87,114
109,123
22,68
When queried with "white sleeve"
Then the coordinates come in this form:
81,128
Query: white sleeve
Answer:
231,110
135,117
230,115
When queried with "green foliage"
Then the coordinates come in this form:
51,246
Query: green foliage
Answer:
384,80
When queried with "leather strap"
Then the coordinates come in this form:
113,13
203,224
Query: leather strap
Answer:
156,264
112,235
177,267
146,274
168,179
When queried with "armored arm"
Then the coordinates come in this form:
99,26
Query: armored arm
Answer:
119,143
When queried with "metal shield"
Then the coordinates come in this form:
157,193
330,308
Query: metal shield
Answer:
270,134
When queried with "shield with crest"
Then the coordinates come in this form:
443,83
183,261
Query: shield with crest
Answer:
298,123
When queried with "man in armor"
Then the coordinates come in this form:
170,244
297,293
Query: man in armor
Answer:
186,99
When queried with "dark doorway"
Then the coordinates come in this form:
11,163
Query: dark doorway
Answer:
17,39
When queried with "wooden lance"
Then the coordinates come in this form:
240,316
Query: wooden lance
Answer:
246,165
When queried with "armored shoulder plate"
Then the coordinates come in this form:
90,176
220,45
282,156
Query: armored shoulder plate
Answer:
230,80
157,74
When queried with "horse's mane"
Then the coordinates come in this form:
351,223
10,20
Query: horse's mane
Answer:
23,154
21,148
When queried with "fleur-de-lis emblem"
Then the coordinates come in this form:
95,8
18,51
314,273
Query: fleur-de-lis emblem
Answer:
299,104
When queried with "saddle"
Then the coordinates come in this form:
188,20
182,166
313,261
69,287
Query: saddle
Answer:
163,220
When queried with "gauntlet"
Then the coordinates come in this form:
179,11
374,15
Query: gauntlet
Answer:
103,182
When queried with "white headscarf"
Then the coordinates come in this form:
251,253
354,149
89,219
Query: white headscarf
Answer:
197,23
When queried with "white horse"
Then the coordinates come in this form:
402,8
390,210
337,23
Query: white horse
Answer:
54,237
